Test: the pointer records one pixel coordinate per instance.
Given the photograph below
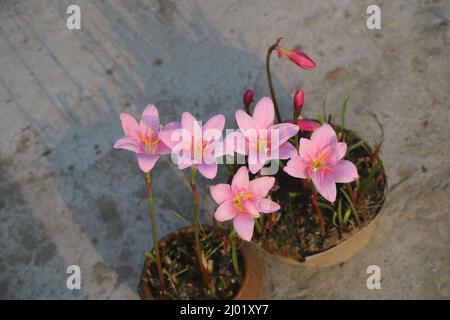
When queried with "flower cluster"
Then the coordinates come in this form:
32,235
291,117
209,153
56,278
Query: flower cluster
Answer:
311,151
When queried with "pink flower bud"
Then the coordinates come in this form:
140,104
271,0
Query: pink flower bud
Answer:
298,57
298,102
248,97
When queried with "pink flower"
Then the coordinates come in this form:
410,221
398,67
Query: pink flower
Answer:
143,138
243,201
298,57
321,160
195,145
259,138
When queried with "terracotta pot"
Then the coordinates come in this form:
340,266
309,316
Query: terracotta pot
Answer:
333,256
251,288
337,254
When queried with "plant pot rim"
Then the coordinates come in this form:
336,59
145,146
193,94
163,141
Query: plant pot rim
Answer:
251,276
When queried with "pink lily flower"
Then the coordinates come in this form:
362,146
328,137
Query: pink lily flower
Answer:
143,138
243,201
259,138
298,57
196,146
321,160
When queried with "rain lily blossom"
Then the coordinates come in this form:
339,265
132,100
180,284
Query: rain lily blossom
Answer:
243,201
143,138
195,145
320,159
298,57
259,138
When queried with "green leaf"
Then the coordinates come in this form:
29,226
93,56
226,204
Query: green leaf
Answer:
349,200
320,118
294,194
347,216
342,112
179,216
334,219
326,206
340,213
367,181
235,257
150,255
360,143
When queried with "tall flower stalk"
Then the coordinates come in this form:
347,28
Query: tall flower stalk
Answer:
151,209
198,247
269,78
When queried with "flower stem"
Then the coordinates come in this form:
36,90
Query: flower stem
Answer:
151,208
269,78
198,248
315,203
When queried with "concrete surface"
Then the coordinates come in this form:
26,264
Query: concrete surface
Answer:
66,197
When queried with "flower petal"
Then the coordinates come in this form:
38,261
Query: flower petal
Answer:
268,206
128,143
240,180
244,224
236,142
283,131
324,136
264,113
150,117
286,151
307,125
208,170
261,186
226,211
216,123
189,123
171,138
325,184
245,122
345,171
146,161
340,150
308,149
130,126
250,208
297,168
254,164
221,192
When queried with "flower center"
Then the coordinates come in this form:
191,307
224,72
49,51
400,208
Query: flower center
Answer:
263,145
319,163
240,198
150,144
199,148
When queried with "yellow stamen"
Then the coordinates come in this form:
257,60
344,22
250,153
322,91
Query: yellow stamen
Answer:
240,198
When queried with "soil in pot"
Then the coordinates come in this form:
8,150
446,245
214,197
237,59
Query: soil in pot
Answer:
181,270
294,231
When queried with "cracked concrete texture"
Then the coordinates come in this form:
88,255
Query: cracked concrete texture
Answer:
67,198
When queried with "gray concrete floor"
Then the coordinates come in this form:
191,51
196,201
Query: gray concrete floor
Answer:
66,197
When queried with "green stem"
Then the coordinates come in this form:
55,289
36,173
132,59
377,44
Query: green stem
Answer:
198,246
148,184
269,78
